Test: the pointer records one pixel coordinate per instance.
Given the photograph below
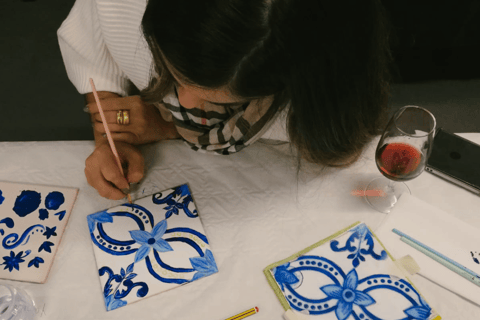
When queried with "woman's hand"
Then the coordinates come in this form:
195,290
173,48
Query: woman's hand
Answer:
103,173
146,123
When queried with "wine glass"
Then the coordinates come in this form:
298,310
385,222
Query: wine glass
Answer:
401,155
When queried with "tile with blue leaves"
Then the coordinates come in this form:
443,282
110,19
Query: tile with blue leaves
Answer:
32,221
152,245
349,277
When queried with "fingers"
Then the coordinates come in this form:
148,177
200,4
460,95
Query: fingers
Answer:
103,174
106,180
135,164
110,116
113,127
114,104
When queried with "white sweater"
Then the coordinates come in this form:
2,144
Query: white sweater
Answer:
102,40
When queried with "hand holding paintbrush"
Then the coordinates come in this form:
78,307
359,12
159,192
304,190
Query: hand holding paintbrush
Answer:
104,169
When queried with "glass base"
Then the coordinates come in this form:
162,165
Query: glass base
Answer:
381,197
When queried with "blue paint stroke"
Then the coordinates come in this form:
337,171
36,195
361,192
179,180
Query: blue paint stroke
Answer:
8,222
192,231
46,246
27,202
473,257
43,214
54,200
1,197
15,242
158,277
35,262
60,215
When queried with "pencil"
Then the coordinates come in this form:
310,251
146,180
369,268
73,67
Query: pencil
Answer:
443,262
107,131
244,314
436,253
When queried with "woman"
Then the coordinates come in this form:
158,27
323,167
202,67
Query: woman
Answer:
220,74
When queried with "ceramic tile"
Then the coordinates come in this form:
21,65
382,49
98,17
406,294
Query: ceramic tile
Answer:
350,277
32,222
153,245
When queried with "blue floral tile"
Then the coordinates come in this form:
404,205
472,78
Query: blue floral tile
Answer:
153,245
32,221
348,278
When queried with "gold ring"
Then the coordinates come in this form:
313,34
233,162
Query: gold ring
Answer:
119,117
126,117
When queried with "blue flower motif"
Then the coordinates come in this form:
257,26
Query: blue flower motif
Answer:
347,296
205,266
419,313
149,240
101,216
283,276
46,246
35,262
182,190
111,303
13,260
50,232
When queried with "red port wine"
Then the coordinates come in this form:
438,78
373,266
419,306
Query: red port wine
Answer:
400,161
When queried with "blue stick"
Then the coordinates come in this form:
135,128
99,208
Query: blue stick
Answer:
436,253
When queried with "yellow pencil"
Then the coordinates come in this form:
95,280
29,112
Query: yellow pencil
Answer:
244,314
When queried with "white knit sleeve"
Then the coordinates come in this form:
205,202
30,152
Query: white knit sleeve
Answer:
278,129
85,53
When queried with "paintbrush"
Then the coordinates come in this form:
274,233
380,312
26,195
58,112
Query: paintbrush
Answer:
107,131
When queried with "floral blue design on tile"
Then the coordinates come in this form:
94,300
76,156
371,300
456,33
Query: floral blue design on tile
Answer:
149,240
113,298
46,245
283,276
1,197
174,205
340,289
99,217
204,266
150,243
419,312
13,261
27,202
8,222
347,295
365,238
35,262
13,240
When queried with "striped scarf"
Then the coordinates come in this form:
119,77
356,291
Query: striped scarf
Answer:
218,129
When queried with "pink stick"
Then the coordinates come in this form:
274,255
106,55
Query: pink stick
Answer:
104,121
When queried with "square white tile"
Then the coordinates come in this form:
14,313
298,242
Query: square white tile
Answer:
153,245
32,221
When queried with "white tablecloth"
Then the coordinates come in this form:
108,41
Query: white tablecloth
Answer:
255,211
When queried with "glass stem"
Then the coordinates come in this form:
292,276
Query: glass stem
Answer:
390,187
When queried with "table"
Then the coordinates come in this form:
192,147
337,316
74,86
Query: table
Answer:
255,210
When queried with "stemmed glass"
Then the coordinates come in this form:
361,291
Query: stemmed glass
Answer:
401,155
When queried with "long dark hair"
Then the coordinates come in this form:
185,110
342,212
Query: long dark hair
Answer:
328,59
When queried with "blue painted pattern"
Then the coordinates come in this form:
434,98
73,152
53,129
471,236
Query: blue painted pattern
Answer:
343,292
150,239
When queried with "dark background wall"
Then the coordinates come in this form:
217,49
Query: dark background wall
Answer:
436,49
